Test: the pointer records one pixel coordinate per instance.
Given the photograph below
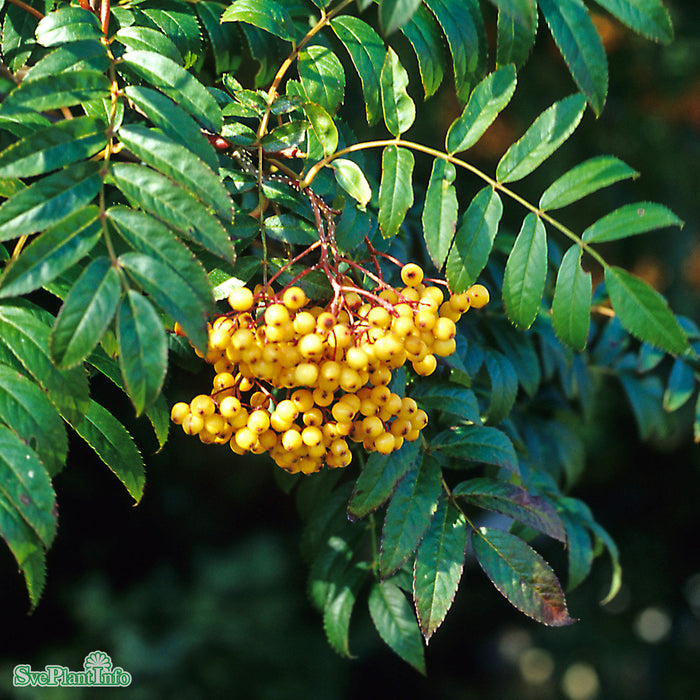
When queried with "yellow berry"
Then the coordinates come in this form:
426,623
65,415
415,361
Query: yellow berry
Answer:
229,407
478,295
294,298
241,299
193,424
291,440
179,412
276,315
259,421
202,405
411,275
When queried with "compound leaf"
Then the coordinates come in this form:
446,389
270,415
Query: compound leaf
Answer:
267,15
571,305
472,443
631,220
399,109
322,77
424,33
395,189
440,211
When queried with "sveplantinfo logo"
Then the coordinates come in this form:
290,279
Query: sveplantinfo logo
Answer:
97,671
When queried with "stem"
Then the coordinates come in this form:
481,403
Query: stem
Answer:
28,8
309,177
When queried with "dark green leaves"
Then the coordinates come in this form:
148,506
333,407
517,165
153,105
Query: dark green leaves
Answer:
398,107
440,211
322,77
438,566
580,45
646,17
68,24
473,240
525,274
643,311
543,138
86,313
265,14
143,349
571,306
487,100
396,189
52,148
177,84
396,623
631,220
473,443
48,200
426,38
583,179
521,575
409,514
393,14
367,52
55,250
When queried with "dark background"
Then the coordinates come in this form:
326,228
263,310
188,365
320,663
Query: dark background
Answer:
200,589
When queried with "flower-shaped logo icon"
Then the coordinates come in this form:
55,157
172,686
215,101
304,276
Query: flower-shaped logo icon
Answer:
98,660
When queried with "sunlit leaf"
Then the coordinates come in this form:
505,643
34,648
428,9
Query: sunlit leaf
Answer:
399,109
440,211
425,35
268,15
322,77
646,17
350,177
631,220
571,305
395,190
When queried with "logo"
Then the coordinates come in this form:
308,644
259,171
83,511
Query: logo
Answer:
97,671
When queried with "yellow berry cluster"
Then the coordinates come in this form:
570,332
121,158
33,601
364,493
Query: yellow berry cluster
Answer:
299,381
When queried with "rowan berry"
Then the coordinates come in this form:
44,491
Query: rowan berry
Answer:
411,274
478,295
241,299
179,412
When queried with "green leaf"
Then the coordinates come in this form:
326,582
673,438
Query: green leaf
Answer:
177,84
52,252
399,109
290,229
17,36
440,211
172,293
616,578
322,127
393,14
472,443
581,47
170,158
543,138
350,177
26,336
504,385
579,549
631,220
646,17
397,626
60,90
264,14
149,236
147,39
322,77
367,52
643,311
87,54
425,35
285,136
26,410
338,609
68,24
513,501
526,273
177,21
438,566
378,479
222,37
571,305
143,349
455,400
474,240
521,575
25,485
408,515
86,313
114,445
583,179
26,548
462,34
395,189
52,148
173,121
487,100
645,396
514,41
523,12
173,205
49,200
680,387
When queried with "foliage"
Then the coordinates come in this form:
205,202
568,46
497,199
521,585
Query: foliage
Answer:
138,173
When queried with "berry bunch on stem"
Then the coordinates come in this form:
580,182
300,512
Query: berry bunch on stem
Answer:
301,381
